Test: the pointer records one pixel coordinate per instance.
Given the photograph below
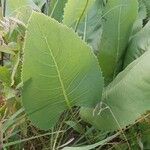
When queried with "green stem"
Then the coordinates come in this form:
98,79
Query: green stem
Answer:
77,24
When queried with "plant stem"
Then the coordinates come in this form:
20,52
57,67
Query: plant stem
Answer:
47,6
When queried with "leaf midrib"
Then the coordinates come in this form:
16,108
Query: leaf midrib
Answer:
118,42
59,75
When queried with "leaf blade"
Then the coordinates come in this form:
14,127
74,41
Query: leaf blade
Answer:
51,73
119,18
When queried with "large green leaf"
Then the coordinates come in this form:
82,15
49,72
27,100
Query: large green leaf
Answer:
56,9
75,11
125,99
139,44
59,71
119,17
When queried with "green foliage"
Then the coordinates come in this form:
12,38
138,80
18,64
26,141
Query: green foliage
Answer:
147,4
142,14
125,99
57,76
93,146
56,9
20,9
75,11
139,44
6,49
39,3
5,75
13,5
119,16
55,72
90,28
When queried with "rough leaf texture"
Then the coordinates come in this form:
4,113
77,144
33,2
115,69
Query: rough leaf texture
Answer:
119,17
125,99
59,71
